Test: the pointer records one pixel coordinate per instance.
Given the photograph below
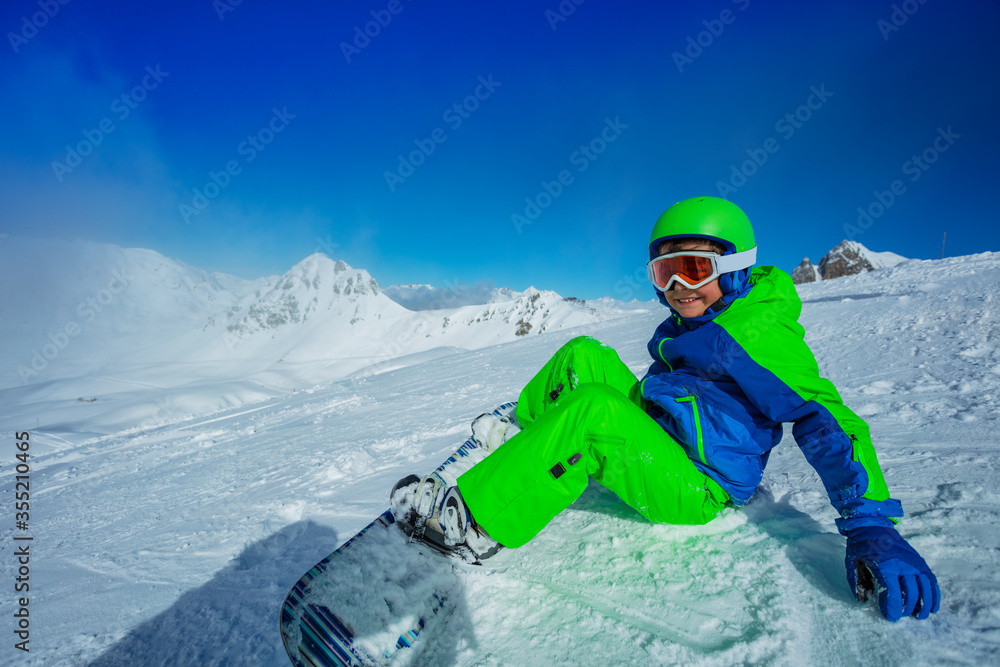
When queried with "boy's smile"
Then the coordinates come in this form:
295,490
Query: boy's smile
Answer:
693,302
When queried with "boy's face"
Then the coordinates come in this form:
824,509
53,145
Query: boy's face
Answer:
692,302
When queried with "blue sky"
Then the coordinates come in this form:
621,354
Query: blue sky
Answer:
524,143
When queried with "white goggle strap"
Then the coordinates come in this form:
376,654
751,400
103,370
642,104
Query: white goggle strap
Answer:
737,261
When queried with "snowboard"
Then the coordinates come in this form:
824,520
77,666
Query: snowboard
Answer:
378,592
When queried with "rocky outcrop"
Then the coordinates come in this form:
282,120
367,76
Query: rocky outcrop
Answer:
805,272
847,259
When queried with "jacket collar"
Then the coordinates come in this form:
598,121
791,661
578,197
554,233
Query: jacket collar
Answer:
711,313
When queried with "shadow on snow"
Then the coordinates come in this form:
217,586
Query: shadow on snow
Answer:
843,297
816,553
232,619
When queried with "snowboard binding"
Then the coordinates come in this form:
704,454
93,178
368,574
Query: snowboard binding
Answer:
435,515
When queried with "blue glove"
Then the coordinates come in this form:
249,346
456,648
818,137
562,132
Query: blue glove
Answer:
880,562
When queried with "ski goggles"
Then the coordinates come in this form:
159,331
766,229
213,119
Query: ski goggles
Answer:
695,268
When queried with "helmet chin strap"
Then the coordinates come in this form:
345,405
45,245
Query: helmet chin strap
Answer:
726,299
717,307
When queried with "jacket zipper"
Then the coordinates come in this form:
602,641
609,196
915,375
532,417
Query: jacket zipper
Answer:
697,424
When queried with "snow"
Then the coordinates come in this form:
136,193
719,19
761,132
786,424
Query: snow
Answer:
881,260
171,515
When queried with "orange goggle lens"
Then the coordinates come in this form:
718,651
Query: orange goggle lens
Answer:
690,268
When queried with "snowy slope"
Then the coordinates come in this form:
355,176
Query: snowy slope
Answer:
175,543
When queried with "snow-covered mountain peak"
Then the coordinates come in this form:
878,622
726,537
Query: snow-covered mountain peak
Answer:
320,273
316,284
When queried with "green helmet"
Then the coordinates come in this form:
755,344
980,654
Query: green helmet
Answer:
715,219
704,217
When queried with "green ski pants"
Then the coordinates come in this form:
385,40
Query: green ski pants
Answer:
581,416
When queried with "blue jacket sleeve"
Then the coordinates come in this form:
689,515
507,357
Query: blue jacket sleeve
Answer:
832,443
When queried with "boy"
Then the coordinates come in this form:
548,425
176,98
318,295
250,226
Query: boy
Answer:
729,367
